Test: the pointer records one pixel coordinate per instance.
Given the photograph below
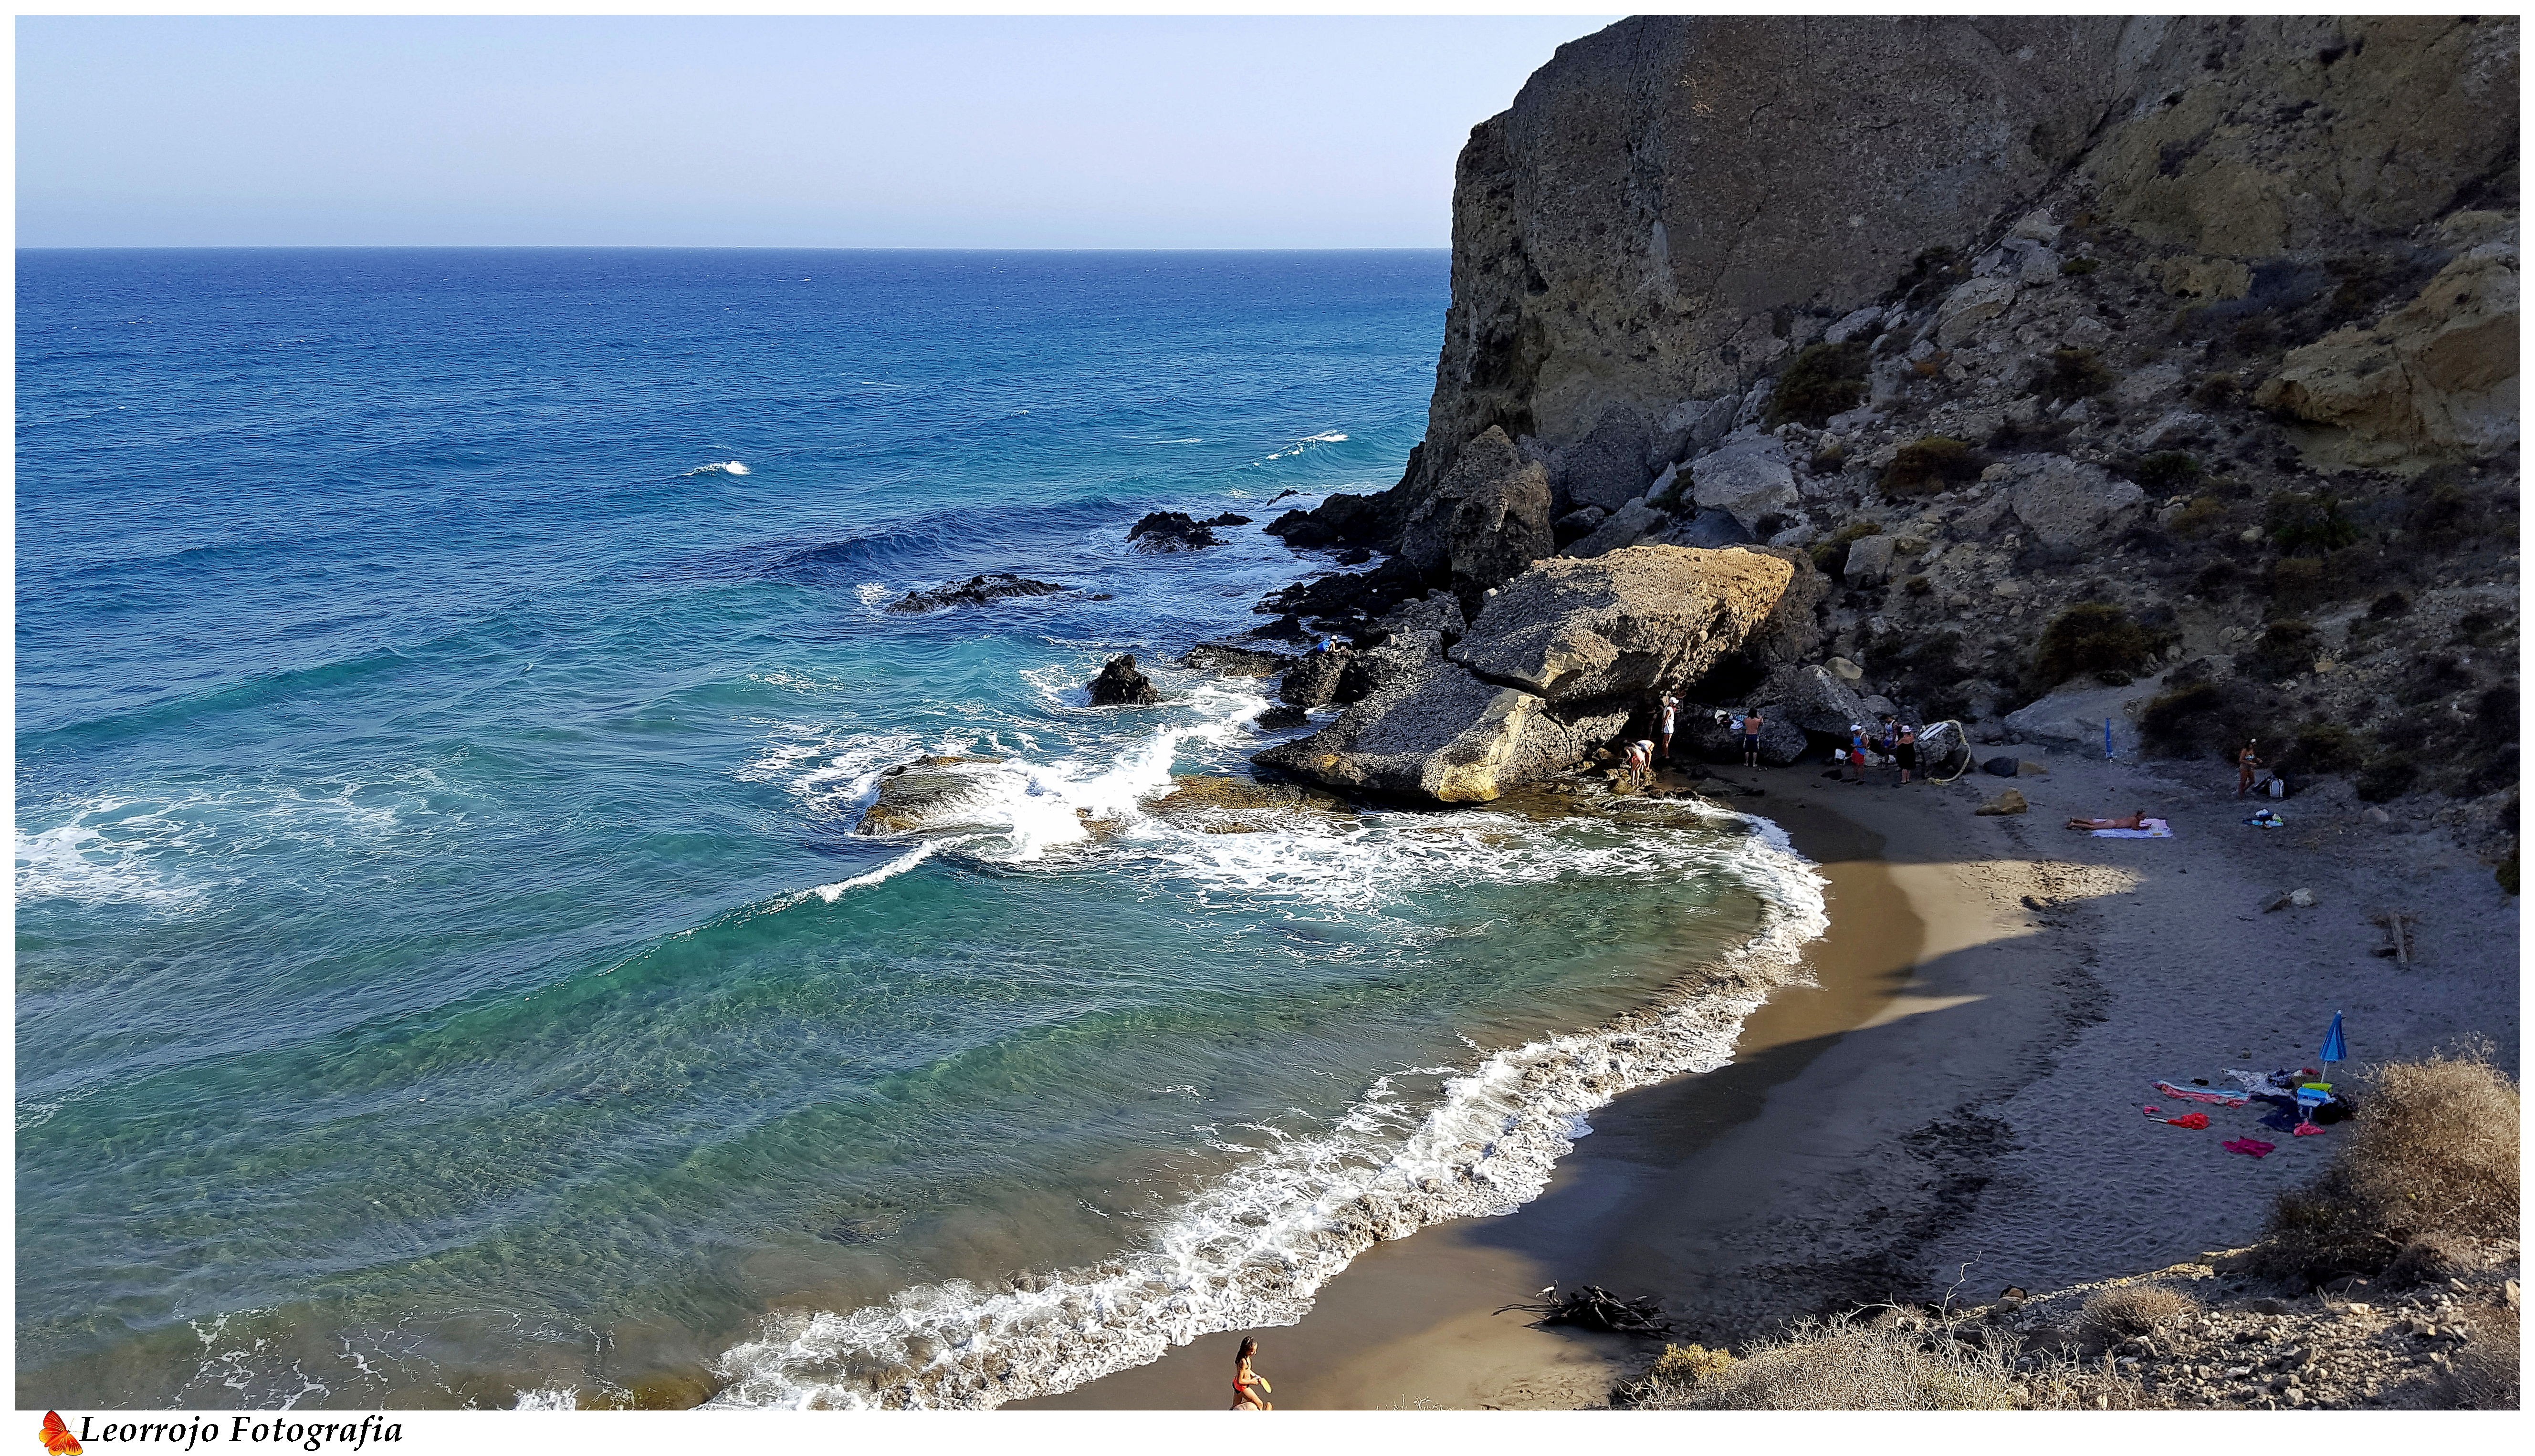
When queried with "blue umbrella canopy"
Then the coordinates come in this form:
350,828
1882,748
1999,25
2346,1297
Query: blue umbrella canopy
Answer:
2333,1051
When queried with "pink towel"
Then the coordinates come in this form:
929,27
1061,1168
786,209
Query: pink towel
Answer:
2251,1147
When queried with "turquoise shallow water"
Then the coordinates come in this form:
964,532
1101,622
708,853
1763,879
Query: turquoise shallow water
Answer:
448,684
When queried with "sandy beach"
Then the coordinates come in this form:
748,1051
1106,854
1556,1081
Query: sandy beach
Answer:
1955,1104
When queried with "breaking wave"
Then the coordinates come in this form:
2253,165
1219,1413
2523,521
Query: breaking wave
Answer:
1420,1146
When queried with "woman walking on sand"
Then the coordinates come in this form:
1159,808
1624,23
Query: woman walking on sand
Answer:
2246,763
1244,1377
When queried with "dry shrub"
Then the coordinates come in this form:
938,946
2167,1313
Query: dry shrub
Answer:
2093,637
2432,1258
2136,1310
1688,1364
1823,381
1845,1364
1929,464
2431,1150
2482,1375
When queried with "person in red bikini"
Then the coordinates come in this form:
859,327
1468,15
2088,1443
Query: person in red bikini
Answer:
1242,1377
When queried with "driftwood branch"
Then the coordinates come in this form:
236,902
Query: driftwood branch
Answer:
1597,1308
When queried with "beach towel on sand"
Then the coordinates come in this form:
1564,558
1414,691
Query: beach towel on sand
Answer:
2251,1147
2157,828
2210,1095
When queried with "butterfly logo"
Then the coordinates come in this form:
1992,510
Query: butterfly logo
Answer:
57,1437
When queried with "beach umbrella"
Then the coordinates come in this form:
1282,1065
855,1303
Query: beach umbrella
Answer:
2333,1050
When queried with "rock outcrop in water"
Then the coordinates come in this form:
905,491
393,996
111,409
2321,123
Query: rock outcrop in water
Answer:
1122,685
977,592
1177,530
920,794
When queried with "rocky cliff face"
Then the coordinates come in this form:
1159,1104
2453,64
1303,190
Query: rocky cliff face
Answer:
1675,205
2054,354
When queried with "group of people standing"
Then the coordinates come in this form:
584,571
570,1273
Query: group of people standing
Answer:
1895,741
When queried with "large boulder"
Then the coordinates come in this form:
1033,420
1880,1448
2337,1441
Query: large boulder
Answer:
1712,529
1485,522
1121,685
2065,501
1443,736
1626,526
1604,469
1704,735
1972,305
2442,373
1814,699
2073,717
1623,624
1748,477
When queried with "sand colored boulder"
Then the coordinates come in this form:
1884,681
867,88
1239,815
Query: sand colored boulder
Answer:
2442,373
2008,801
1574,631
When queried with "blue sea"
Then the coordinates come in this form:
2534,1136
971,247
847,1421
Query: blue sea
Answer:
449,973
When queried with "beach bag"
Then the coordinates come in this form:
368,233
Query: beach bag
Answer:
2279,790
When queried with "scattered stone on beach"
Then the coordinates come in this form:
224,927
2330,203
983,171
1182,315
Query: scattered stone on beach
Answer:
2008,801
2027,768
916,795
1171,530
1121,685
2005,766
977,592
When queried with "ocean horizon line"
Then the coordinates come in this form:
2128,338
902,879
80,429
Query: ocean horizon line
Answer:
652,248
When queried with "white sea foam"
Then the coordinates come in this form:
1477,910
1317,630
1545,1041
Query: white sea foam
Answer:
1254,1247
168,854
890,871
831,770
548,1398
1331,437
719,467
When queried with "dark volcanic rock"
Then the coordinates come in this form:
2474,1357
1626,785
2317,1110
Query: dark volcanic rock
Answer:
1484,522
977,592
1348,520
1172,530
924,794
1712,529
1236,661
1279,717
1343,595
1312,682
1363,673
1226,519
1119,684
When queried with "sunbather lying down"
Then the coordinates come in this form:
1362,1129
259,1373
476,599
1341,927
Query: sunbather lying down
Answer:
2137,818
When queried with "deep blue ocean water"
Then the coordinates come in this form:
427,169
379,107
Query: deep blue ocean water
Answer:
448,684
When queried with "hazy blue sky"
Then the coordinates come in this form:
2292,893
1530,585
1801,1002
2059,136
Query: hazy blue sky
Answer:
851,132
